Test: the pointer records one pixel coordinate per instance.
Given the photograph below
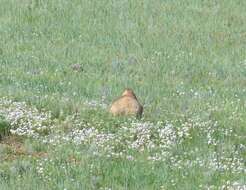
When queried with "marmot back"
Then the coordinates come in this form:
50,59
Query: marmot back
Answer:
127,104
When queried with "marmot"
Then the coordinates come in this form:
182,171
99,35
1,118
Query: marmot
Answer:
127,104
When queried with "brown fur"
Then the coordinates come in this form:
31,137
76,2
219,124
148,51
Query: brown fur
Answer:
127,104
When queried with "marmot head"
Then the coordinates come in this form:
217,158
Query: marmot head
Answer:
129,92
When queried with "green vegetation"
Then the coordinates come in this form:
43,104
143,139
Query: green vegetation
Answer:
4,127
185,60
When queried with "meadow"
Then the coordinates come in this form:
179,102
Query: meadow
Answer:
186,62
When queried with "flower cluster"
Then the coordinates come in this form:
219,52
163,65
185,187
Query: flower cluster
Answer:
25,120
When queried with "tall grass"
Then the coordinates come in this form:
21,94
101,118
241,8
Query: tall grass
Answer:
184,59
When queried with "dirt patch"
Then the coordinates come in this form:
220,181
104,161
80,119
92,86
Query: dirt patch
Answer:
12,148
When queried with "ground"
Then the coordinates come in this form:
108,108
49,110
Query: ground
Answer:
63,62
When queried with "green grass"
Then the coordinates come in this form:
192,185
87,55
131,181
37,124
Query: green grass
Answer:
4,127
185,60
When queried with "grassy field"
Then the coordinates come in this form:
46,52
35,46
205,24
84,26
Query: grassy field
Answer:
186,62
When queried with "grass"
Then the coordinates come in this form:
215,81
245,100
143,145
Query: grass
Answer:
4,127
185,60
